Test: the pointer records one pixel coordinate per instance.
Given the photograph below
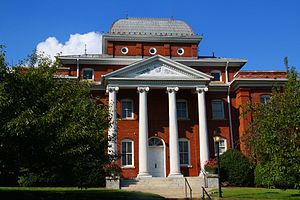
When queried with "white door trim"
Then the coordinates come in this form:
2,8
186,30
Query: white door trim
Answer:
164,155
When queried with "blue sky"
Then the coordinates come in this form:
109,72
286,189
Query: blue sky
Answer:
261,31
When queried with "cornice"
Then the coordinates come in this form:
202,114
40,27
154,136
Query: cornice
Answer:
154,38
125,60
257,82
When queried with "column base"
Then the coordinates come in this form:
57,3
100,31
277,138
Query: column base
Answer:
175,175
144,175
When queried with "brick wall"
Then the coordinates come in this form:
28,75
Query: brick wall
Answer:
142,49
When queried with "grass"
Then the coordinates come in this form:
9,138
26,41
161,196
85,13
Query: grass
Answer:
67,193
256,193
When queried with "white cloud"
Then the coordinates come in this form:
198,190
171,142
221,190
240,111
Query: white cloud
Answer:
74,46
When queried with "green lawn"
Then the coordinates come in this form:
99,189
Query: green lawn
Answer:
50,193
256,193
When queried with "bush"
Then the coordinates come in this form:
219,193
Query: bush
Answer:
28,179
267,176
236,169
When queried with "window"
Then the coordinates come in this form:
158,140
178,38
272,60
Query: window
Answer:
127,109
222,146
265,98
217,109
88,74
127,152
124,50
182,111
217,75
184,151
180,51
152,51
155,142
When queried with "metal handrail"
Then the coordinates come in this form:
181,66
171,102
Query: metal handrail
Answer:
205,178
186,183
204,192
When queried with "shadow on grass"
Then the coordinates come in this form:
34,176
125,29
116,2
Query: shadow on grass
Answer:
257,193
61,194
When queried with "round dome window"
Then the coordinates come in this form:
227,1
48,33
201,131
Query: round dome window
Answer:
152,51
180,51
124,50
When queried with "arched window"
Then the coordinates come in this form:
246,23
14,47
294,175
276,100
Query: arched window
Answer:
182,109
87,74
184,151
217,75
222,146
265,98
126,109
127,156
217,109
154,141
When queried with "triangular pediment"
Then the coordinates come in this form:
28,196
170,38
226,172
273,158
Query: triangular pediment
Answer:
157,70
158,67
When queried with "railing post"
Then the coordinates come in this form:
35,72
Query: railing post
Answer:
185,187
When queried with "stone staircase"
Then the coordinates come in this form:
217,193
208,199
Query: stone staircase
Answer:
173,188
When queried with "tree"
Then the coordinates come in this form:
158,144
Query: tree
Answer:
2,61
275,137
52,132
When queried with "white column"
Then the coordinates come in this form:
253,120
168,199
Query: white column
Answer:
143,133
203,134
112,131
173,134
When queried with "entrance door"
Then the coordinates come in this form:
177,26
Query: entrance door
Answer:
156,157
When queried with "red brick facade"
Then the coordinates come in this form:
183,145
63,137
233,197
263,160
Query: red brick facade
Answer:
242,90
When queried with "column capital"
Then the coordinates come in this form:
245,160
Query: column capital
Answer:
201,89
143,89
112,89
172,89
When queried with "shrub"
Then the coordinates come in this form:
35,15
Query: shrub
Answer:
267,176
236,169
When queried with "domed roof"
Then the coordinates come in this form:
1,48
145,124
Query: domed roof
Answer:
151,26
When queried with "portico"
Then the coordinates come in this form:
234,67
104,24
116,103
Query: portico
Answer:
159,73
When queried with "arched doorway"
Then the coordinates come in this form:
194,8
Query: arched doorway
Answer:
156,157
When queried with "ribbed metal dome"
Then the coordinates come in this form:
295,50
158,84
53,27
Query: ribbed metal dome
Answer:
151,26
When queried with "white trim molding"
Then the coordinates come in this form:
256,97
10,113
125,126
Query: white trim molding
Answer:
132,153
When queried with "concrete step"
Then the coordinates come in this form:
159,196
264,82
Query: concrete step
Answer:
166,187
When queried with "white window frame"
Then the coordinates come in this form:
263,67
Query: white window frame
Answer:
132,112
181,52
132,153
126,50
218,72
264,97
222,148
87,69
189,152
222,111
186,108
155,51
155,145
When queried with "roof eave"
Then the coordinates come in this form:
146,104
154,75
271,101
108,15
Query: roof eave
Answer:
257,82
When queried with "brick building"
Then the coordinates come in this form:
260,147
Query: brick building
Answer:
165,99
